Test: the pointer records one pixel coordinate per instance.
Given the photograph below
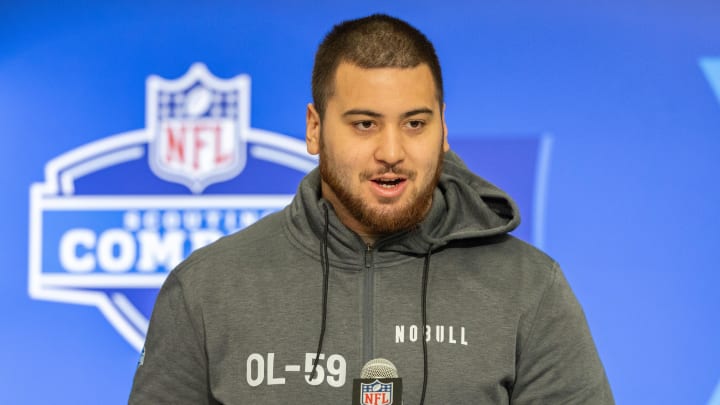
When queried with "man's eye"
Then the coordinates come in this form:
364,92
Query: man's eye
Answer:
415,124
364,125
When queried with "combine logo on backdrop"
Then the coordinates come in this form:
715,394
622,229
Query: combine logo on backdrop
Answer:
114,216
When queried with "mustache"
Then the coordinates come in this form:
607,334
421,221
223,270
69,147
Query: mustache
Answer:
400,171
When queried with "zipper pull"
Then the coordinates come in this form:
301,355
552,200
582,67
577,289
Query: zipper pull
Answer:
368,256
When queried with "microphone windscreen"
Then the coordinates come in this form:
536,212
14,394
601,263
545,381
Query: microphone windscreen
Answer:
379,368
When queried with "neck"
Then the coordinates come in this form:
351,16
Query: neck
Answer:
369,239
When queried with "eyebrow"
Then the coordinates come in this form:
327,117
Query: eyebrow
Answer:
376,114
417,111
369,113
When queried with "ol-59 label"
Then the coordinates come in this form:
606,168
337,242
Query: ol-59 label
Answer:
262,369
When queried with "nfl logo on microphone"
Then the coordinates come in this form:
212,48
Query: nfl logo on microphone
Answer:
376,393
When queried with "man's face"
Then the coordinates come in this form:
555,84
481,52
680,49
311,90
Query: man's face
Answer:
381,144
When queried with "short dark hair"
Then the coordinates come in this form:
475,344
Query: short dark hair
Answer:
376,41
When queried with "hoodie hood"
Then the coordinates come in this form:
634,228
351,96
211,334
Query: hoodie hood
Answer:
464,206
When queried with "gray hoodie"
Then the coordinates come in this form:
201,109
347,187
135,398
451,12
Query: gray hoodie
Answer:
239,322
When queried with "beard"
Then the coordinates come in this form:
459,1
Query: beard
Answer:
387,218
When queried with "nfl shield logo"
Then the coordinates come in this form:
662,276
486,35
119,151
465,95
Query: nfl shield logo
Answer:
198,126
376,393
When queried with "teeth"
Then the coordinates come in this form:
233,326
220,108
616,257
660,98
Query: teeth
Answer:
388,183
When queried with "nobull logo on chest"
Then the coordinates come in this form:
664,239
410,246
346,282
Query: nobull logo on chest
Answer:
438,333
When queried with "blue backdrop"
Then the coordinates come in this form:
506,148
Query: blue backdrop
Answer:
603,119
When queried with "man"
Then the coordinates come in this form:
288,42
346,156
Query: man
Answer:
392,248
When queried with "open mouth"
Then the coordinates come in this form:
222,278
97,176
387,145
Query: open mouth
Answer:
388,183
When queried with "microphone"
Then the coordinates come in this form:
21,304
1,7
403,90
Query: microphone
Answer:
378,384
379,368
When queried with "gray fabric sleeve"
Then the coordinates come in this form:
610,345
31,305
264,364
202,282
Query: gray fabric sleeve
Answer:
557,361
174,365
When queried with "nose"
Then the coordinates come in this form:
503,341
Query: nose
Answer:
390,149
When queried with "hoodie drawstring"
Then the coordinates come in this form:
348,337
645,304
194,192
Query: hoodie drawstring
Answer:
426,271
326,278
324,260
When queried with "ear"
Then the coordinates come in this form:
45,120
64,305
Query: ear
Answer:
312,130
446,145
